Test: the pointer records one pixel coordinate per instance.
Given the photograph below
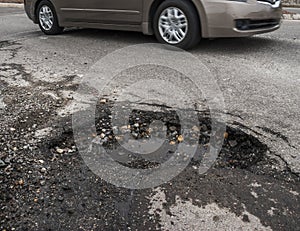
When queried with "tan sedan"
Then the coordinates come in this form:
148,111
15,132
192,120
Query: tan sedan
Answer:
181,23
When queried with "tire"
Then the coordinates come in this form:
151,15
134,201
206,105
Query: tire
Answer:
172,22
45,8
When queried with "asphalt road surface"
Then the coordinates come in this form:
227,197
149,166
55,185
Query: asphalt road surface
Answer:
45,183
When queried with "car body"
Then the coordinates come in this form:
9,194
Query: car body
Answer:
217,18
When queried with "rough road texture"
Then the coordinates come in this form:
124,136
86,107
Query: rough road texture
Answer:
45,185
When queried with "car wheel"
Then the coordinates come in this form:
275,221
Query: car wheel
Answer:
47,18
177,23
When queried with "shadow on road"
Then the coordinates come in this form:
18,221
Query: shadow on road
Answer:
221,45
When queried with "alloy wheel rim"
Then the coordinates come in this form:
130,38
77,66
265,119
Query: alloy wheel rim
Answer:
173,25
46,18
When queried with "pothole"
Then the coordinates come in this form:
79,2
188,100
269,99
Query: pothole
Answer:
7,43
240,150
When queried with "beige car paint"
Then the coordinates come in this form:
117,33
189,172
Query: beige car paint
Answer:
217,17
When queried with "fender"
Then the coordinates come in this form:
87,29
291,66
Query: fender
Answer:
31,8
149,5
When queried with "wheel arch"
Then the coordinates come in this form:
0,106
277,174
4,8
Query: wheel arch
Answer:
35,8
151,6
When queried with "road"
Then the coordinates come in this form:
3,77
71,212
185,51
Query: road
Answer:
292,10
46,185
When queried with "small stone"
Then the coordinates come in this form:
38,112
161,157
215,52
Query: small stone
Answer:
195,129
59,150
41,161
204,128
43,183
71,150
12,129
2,164
124,128
180,138
35,200
43,170
245,218
172,142
105,140
173,128
216,218
103,101
60,198
119,138
174,133
135,135
21,182
226,135
233,143
102,135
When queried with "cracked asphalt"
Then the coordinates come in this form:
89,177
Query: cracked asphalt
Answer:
46,185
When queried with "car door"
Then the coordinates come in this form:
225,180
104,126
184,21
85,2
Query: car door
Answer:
114,11
70,10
